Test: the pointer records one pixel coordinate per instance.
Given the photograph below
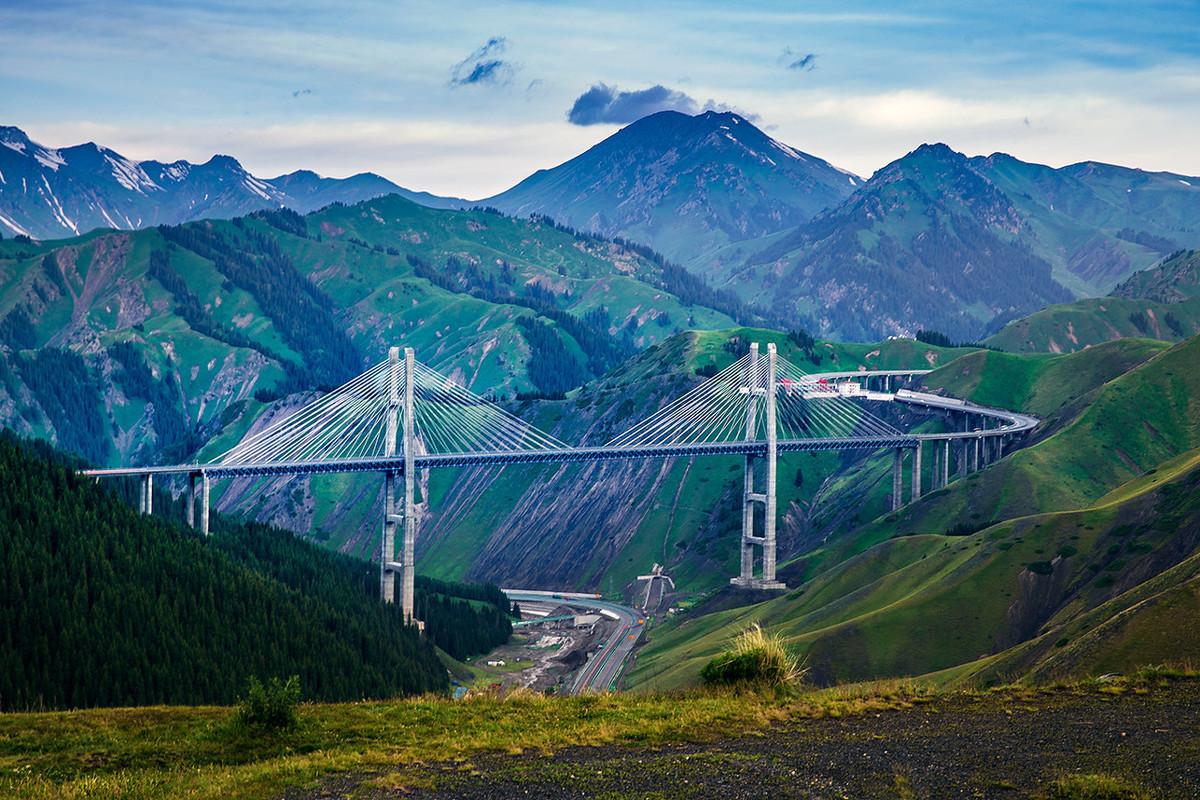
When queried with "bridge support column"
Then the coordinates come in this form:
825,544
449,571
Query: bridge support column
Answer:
146,494
408,575
204,496
190,513
746,575
945,462
916,473
387,552
772,453
978,453
935,469
751,498
897,478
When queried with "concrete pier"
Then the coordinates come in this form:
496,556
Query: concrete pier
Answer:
190,513
897,478
408,576
772,465
750,498
146,494
205,485
387,553
916,473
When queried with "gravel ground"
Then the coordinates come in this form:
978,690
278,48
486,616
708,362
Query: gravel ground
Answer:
954,747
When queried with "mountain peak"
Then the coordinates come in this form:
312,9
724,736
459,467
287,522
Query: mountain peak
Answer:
682,184
938,150
15,138
221,161
926,162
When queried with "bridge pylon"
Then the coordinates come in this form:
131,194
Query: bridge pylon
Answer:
399,375
751,498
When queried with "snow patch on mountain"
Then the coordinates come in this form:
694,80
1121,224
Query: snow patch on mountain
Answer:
55,206
128,173
177,171
104,213
14,226
786,150
50,159
256,186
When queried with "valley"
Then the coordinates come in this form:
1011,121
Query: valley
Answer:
812,483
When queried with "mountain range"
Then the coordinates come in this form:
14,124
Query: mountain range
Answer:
52,193
170,343
934,240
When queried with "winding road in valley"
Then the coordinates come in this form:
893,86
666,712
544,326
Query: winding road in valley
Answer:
604,666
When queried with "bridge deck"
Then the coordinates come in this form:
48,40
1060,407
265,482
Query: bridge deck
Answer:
1011,422
560,456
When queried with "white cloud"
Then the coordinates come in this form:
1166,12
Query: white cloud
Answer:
862,131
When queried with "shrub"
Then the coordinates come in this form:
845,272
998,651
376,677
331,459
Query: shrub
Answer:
270,706
755,657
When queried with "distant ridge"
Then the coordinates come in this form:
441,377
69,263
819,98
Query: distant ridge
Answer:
49,193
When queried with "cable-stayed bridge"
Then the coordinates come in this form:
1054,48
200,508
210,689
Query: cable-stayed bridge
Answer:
400,416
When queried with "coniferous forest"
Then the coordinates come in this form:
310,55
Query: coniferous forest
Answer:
103,606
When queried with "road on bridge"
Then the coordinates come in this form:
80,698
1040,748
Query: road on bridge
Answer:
604,666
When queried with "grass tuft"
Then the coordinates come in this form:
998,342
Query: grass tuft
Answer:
1095,787
754,658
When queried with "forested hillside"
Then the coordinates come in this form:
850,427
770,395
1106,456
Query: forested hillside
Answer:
103,606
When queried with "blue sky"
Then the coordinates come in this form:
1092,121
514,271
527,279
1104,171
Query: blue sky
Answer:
467,98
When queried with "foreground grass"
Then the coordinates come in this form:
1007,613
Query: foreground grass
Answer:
201,753
1095,787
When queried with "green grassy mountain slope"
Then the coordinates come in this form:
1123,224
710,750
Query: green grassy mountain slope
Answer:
927,242
173,333
1052,595
1175,279
1042,384
1101,439
1056,388
1068,327
1097,223
1064,526
1162,302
